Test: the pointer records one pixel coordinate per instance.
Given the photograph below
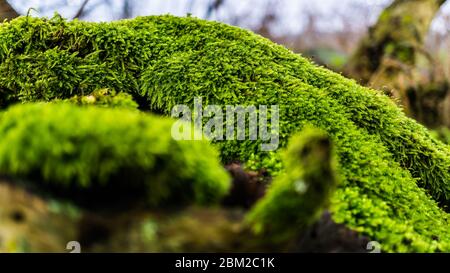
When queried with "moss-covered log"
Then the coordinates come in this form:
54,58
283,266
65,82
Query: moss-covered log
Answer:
36,221
107,157
395,177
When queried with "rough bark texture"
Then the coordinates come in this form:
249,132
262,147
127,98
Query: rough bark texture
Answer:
399,34
6,11
388,59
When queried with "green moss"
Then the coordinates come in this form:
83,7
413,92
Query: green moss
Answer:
68,148
443,134
297,197
392,169
105,98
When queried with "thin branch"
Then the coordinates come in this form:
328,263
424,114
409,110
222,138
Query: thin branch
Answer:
213,6
81,10
127,10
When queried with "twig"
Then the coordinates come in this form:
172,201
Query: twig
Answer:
81,10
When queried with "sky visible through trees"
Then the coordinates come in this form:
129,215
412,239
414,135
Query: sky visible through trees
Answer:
292,16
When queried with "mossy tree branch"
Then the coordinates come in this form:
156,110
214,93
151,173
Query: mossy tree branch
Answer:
394,175
399,34
295,202
387,58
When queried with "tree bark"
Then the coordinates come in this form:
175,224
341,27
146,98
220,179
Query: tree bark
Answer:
399,34
6,11
387,59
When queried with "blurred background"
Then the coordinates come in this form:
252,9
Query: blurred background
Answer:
400,47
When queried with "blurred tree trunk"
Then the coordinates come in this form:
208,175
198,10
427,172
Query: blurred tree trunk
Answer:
388,58
6,11
399,34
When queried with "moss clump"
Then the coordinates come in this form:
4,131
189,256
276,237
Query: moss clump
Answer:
385,159
105,98
69,148
442,134
297,198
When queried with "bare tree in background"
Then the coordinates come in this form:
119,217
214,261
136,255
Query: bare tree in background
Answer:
213,6
81,10
127,10
267,20
388,58
6,11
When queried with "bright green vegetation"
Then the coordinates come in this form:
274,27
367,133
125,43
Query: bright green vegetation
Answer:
69,147
105,98
442,134
297,198
395,178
